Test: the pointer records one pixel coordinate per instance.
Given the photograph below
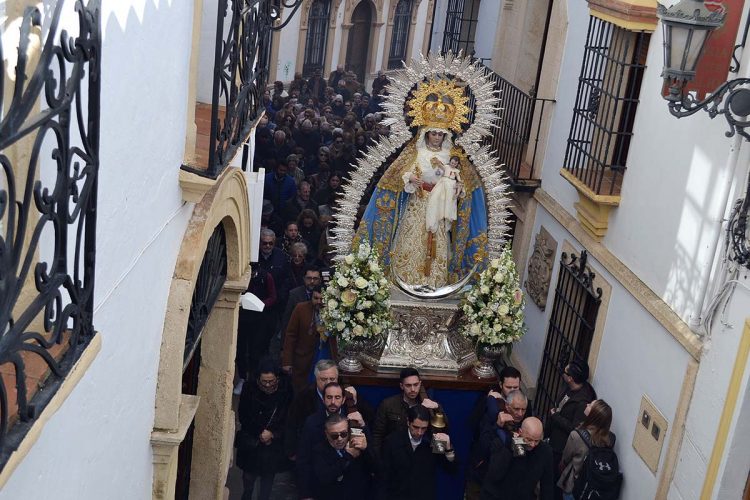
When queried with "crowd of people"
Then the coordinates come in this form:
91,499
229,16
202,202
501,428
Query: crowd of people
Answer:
311,134
339,447
295,413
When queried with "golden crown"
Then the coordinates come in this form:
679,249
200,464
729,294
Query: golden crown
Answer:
439,104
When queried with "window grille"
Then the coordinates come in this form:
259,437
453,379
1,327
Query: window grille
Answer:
460,26
48,207
317,37
571,328
400,34
604,111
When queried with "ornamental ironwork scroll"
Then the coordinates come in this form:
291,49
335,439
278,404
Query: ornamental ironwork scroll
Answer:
48,202
241,69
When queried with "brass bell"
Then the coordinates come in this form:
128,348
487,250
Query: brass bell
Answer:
438,421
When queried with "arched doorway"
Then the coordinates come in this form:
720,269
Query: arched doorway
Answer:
358,46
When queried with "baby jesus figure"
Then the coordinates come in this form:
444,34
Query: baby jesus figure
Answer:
442,206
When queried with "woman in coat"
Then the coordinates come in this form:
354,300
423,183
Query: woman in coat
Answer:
597,421
263,408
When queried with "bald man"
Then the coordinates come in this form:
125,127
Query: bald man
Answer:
514,474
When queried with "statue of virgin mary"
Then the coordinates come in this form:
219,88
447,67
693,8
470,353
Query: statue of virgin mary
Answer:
427,217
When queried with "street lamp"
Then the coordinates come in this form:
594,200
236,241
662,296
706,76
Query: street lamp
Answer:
687,26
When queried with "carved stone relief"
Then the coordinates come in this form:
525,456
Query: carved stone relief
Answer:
540,268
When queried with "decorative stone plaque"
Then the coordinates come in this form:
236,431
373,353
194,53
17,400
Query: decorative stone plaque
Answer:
540,268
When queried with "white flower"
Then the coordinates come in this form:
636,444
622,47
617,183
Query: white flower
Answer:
358,330
349,259
360,316
499,277
376,329
495,263
475,329
374,267
332,304
497,327
343,282
340,326
360,282
503,310
366,304
484,289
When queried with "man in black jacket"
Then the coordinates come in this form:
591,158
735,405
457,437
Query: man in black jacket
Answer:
569,412
408,464
391,414
513,475
343,464
312,435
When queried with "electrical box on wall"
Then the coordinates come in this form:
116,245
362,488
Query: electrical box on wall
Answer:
650,432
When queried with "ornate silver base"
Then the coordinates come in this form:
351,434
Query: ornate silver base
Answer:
421,338
483,369
350,364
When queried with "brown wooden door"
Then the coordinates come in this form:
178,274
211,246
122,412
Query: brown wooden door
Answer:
358,47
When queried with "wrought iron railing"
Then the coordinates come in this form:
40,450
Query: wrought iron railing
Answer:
241,69
518,130
48,201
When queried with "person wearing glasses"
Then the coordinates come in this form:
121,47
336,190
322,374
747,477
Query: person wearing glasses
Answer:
343,465
262,414
312,434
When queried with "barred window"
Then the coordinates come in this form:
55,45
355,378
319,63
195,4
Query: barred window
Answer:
400,34
460,26
608,89
317,36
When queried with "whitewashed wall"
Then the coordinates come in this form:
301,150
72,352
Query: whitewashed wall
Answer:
636,357
680,161
438,25
706,407
288,41
663,232
487,23
97,444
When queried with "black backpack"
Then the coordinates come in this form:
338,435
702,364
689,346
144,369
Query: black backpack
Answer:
600,477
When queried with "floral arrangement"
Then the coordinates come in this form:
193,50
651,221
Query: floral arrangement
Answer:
493,307
355,302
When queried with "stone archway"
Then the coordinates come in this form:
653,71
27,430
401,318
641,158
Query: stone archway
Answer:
226,205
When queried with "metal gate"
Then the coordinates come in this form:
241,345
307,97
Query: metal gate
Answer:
571,328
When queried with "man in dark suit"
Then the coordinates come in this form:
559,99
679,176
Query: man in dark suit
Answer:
312,434
306,402
408,464
391,415
514,475
302,339
483,419
343,465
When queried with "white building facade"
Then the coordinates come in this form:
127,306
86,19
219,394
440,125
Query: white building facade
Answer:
605,175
